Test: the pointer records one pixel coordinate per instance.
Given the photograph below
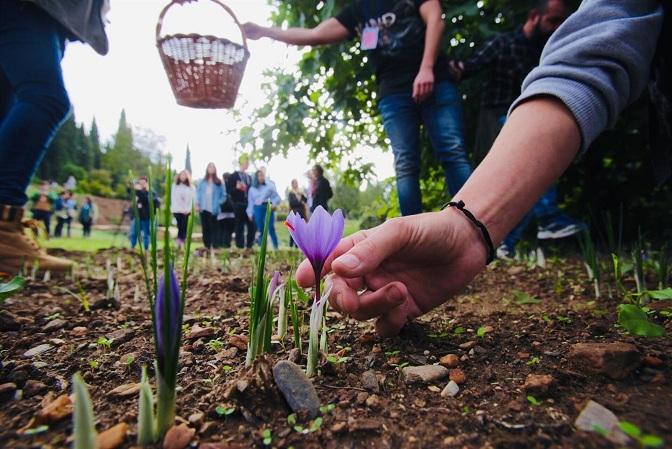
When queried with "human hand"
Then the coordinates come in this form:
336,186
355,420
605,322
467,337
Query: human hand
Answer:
253,31
406,267
455,70
423,86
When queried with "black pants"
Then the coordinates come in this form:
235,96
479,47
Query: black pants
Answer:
242,223
45,217
182,221
209,227
86,228
226,227
67,222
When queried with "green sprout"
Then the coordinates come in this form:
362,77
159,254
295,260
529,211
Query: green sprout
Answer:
267,437
533,361
533,401
104,342
224,411
215,345
644,440
481,332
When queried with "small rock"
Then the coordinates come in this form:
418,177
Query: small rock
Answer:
120,336
7,389
367,338
338,427
294,355
450,360
373,401
362,396
178,437
125,390
239,341
78,331
33,387
523,355
517,269
54,325
424,374
434,389
113,437
450,390
363,424
195,418
468,345
597,416
296,388
652,361
37,350
57,341
488,329
370,381
9,321
197,332
54,411
457,376
539,385
615,360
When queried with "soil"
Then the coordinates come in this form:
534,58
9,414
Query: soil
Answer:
491,409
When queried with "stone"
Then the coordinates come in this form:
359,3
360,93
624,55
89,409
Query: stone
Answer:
125,390
517,269
615,360
361,398
296,388
113,437
539,385
424,374
120,336
38,350
33,387
55,410
78,331
7,389
294,355
178,437
196,418
373,401
457,376
54,325
450,390
652,361
9,321
370,381
239,341
57,341
468,345
595,416
449,360
339,427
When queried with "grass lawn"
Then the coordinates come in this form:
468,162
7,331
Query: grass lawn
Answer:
107,239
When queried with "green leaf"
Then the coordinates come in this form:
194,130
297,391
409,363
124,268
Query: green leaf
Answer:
82,417
651,441
522,298
146,416
636,321
630,429
532,400
481,332
665,293
9,288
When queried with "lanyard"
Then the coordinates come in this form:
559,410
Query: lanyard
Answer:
367,15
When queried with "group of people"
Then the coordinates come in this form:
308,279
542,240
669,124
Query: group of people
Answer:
232,209
45,203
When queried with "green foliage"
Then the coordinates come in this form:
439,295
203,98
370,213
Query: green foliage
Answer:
146,417
635,320
533,401
12,287
665,293
82,416
522,298
644,440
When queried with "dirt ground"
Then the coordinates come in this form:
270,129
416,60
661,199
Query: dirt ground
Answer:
491,409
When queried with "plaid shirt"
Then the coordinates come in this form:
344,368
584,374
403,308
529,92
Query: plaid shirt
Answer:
508,58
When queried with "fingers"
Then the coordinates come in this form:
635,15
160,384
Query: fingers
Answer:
379,302
416,91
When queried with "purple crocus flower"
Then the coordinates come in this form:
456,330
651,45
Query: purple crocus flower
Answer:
166,312
318,237
273,285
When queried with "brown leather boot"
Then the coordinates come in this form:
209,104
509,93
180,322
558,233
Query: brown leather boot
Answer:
19,247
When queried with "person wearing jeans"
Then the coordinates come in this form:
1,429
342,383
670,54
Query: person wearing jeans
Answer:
237,187
259,195
402,40
33,105
210,194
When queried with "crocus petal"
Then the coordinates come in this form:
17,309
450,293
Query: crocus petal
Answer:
273,285
166,323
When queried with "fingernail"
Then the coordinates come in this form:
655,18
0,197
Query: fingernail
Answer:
349,261
338,301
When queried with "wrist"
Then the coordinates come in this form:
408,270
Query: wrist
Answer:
427,67
471,239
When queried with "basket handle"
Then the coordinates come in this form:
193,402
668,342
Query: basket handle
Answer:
159,24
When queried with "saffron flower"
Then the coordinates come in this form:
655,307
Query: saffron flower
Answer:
166,316
317,239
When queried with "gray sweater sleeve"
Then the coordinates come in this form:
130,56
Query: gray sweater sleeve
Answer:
598,61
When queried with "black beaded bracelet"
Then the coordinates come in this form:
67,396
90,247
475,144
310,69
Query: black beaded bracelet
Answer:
484,231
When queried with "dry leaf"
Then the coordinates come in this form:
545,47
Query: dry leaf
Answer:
125,390
178,437
112,437
55,410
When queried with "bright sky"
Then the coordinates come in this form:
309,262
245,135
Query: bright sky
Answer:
131,76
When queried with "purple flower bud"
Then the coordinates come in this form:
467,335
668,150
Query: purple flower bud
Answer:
318,237
166,311
273,285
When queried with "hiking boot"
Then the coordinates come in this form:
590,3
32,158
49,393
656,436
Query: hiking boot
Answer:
560,227
19,245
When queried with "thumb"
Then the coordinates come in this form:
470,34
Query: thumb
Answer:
367,254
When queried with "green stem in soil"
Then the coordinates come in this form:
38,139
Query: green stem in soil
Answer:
313,338
165,403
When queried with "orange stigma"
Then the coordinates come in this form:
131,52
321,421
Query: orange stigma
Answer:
289,225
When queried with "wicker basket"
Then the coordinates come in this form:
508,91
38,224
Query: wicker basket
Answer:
204,71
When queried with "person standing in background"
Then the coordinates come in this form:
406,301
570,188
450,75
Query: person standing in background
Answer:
210,194
142,221
259,195
43,205
182,196
237,187
297,204
227,218
65,211
322,192
88,214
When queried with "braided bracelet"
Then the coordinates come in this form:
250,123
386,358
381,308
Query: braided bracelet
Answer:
484,231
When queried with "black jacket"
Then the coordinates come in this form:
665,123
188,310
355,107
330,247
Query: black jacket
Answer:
238,196
322,194
142,201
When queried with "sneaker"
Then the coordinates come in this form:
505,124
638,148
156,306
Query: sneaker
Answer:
505,252
562,226
19,246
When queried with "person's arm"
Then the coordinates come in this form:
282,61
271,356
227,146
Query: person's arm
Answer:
329,31
483,58
431,14
275,196
250,201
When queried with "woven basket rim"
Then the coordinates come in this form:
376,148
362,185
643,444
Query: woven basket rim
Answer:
196,35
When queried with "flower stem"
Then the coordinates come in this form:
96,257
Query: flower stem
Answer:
165,409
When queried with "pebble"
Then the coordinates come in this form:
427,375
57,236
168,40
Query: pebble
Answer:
113,437
539,384
457,376
450,360
652,361
370,381
54,325
450,390
517,269
523,355
373,401
595,415
296,388
178,437
37,350
33,387
9,321
54,411
424,374
120,336
195,418
125,390
197,332
468,345
362,396
338,427
239,341
57,341
615,360
7,389
78,331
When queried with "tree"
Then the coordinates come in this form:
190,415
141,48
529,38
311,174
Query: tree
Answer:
94,145
187,162
119,158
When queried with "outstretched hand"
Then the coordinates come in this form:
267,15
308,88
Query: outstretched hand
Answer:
402,268
253,31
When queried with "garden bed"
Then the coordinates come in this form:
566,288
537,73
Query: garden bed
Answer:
497,330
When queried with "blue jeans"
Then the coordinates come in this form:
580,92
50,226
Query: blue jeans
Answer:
544,210
144,230
441,115
259,217
33,99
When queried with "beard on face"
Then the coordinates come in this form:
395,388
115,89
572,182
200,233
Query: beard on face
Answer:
539,36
